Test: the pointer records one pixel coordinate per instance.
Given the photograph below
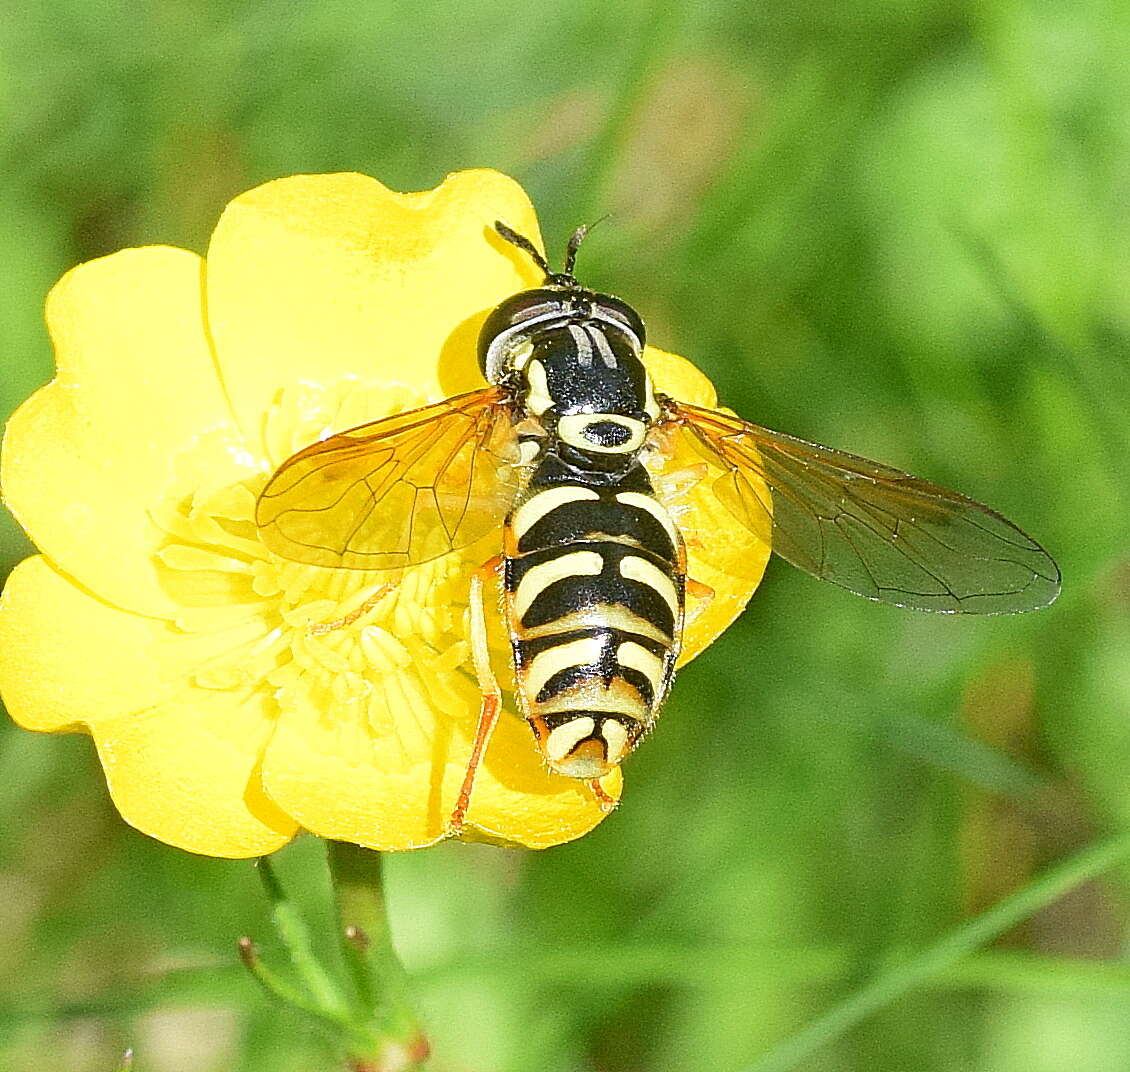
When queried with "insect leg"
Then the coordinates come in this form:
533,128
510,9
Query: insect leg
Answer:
702,594
320,628
488,686
675,483
606,802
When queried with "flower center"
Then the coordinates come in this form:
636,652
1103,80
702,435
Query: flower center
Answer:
366,648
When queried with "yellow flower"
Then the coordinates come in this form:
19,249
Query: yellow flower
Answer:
226,713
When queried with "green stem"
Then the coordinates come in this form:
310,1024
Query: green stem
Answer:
295,936
277,986
397,1042
892,984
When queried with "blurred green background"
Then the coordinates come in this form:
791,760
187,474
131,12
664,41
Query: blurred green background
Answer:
896,227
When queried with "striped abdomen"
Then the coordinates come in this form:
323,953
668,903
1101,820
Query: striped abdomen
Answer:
594,595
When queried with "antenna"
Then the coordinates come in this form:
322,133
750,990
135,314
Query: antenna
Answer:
579,236
522,242
564,278
575,241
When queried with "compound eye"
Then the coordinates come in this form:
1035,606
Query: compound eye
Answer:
622,314
524,307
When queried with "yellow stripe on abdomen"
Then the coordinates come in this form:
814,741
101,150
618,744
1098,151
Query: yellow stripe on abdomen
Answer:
636,657
545,502
602,615
538,578
634,568
582,652
649,504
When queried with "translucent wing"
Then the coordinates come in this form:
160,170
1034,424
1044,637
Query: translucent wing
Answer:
397,491
872,529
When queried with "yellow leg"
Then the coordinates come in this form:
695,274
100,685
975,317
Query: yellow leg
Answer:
675,483
488,686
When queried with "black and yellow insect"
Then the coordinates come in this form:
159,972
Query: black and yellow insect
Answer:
556,452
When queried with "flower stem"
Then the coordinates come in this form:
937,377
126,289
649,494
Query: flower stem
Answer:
397,1042
277,986
295,935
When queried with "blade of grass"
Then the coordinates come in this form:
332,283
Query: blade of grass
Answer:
218,984
899,980
613,966
618,967
655,34
1095,386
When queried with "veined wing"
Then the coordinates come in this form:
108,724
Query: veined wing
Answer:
398,491
870,528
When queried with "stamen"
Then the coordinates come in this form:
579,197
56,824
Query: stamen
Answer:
373,655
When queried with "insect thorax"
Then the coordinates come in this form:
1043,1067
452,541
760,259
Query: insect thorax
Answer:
574,358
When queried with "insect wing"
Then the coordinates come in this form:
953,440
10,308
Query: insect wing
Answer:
870,528
398,491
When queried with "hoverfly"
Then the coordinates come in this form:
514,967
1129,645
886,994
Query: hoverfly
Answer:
592,563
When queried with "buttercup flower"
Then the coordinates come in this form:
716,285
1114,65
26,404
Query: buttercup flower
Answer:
236,697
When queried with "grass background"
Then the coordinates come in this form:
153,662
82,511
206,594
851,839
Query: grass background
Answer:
895,227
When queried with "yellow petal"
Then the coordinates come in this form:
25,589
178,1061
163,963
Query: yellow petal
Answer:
180,760
732,570
676,376
395,789
737,559
54,641
86,458
185,772
321,277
